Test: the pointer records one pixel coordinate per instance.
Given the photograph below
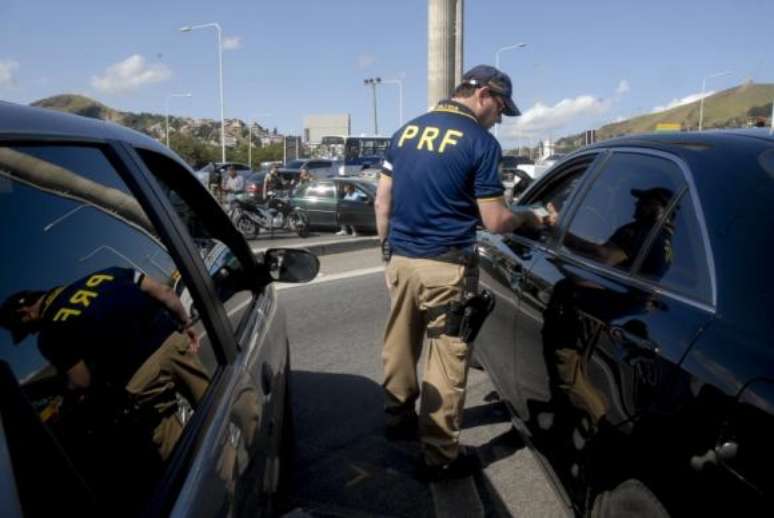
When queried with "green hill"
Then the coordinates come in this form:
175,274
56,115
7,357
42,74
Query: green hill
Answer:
733,108
196,140
80,105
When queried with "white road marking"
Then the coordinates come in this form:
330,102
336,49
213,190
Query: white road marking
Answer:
330,277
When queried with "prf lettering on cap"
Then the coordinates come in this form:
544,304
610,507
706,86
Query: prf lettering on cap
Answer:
429,136
82,297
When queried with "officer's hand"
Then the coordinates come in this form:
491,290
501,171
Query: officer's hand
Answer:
193,340
552,217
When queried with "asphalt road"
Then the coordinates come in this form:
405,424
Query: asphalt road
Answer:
343,465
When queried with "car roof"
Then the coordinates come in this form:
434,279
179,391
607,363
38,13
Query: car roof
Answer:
18,121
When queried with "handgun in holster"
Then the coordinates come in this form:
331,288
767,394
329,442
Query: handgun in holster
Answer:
465,317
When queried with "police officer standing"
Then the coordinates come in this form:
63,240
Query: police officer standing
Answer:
439,181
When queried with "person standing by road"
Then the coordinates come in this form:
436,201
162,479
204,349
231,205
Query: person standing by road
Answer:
439,181
233,184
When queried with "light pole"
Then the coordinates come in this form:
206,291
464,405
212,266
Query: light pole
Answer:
373,81
497,63
399,82
701,101
216,26
167,111
250,138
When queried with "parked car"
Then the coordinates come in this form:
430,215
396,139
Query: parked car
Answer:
633,340
324,204
80,196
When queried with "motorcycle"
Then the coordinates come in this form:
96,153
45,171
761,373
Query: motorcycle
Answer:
276,214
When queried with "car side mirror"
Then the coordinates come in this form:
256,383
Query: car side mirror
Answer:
291,264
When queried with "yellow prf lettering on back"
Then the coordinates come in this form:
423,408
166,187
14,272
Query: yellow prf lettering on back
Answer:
83,297
428,136
409,133
65,313
450,139
97,279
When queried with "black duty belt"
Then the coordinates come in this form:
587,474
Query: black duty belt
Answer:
463,256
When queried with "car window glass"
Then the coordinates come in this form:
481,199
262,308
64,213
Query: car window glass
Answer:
677,257
90,301
618,212
556,194
222,264
321,191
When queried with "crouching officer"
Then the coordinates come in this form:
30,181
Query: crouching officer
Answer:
438,183
116,331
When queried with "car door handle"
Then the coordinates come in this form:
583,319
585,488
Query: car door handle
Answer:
623,337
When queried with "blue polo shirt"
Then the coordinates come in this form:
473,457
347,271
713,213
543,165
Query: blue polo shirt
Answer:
441,163
106,320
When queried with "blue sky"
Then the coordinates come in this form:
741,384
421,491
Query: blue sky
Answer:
585,64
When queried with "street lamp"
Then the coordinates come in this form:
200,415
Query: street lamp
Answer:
399,82
167,111
250,138
701,101
497,63
189,28
373,81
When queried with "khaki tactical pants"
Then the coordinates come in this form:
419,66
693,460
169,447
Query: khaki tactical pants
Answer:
416,285
172,368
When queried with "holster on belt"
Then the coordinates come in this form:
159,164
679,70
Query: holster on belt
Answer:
464,317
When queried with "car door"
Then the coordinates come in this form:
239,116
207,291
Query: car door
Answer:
250,410
358,213
505,260
610,315
319,203
83,216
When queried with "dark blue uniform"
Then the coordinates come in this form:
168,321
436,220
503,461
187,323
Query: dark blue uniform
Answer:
106,319
441,164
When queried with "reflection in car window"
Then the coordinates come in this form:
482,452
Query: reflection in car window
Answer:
223,266
103,348
680,246
625,202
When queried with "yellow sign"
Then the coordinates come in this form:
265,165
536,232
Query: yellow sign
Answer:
669,126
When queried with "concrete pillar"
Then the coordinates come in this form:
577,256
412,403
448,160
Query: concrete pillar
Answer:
459,46
442,48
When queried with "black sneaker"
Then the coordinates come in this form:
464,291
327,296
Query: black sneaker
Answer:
466,464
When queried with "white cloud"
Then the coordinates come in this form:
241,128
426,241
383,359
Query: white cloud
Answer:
8,69
232,43
365,60
542,119
623,87
129,75
688,99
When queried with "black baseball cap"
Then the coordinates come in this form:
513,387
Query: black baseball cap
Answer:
9,313
660,195
498,82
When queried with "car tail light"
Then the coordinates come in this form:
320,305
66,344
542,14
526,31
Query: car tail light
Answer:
251,187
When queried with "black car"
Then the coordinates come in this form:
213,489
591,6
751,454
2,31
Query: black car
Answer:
633,340
77,196
323,202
